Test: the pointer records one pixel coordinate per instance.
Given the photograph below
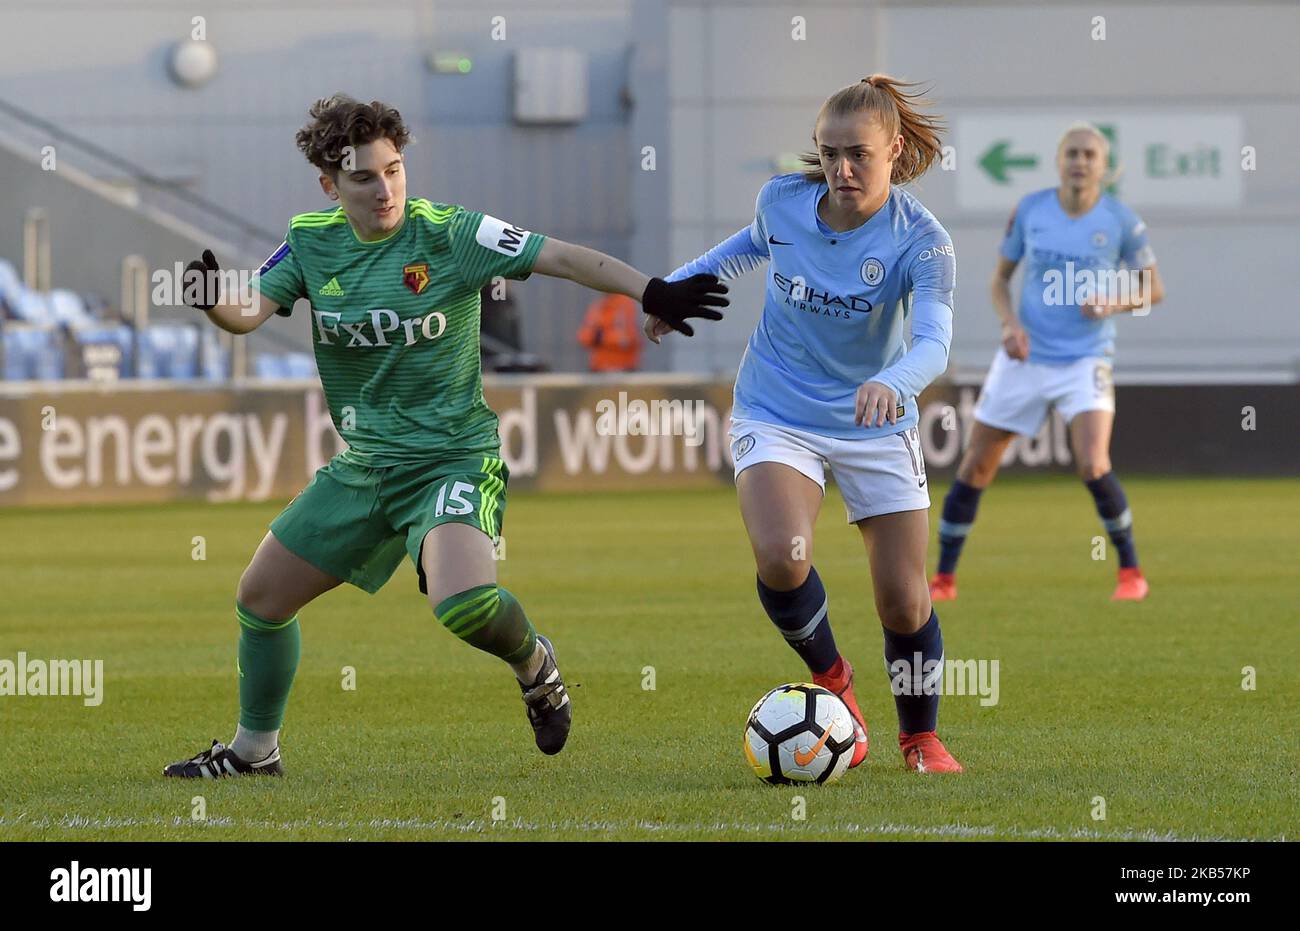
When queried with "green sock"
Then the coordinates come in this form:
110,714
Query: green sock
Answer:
268,659
488,617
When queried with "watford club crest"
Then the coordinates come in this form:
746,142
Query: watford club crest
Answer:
416,277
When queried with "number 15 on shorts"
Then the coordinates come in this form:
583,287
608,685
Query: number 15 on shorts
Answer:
452,500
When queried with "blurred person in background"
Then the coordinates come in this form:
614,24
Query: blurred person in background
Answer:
612,333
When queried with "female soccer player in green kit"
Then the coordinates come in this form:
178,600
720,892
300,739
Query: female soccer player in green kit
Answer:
394,287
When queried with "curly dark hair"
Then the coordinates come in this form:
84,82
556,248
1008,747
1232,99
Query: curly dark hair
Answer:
341,121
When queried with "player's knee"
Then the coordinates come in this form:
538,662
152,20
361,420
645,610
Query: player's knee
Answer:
247,594
967,473
976,470
781,565
260,598
903,611
1093,467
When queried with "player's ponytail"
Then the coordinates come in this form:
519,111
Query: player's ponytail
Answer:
886,99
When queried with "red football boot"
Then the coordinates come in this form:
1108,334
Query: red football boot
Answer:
839,680
943,587
1132,585
925,753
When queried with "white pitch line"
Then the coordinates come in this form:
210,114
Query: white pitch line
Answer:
483,826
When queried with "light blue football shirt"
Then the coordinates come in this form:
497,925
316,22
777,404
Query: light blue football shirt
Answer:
836,306
1059,248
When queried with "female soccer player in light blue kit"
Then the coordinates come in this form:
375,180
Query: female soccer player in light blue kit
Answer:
827,379
1073,238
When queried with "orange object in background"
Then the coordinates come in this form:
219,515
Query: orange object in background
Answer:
612,331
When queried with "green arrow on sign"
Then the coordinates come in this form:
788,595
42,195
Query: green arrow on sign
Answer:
996,161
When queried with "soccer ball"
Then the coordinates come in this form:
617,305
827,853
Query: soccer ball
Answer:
799,733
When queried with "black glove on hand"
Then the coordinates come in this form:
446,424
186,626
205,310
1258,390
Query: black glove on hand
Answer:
674,301
202,295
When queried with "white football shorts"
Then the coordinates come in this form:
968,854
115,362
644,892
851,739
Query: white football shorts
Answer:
881,475
1018,393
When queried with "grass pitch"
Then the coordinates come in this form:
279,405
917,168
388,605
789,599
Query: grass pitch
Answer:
1141,705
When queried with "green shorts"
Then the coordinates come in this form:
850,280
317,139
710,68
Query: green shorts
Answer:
354,522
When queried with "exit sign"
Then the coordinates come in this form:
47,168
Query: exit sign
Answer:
1190,160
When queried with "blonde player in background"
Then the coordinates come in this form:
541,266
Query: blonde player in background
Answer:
1056,351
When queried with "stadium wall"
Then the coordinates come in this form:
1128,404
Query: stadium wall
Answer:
72,444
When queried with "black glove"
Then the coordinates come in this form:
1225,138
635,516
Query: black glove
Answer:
674,301
202,295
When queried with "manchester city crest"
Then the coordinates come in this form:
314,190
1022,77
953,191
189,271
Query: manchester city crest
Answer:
742,446
873,272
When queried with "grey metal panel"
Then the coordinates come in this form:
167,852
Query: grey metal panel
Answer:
1152,50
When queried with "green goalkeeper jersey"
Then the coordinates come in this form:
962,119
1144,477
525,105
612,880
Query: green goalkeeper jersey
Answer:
395,324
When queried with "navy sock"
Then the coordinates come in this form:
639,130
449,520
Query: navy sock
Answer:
959,507
914,675
800,615
1115,516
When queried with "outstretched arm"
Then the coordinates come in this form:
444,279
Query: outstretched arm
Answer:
731,258
589,268
673,302
743,251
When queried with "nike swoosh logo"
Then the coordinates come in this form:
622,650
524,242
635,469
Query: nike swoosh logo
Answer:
803,759
921,483
776,242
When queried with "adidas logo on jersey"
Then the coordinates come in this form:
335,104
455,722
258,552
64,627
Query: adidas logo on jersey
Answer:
332,288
